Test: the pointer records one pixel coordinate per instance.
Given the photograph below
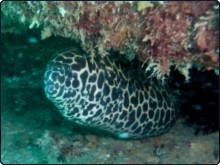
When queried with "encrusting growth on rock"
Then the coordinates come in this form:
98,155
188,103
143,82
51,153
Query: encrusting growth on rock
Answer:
182,34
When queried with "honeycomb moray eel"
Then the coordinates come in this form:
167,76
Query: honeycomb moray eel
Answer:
98,92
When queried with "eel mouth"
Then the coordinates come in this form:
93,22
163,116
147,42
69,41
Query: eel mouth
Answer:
54,81
50,85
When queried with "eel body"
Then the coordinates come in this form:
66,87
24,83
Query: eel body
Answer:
98,92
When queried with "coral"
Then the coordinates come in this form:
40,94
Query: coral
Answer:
143,5
165,33
207,42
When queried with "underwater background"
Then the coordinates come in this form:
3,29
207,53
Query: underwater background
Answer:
32,129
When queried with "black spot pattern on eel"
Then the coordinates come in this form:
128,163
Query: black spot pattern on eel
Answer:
98,92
